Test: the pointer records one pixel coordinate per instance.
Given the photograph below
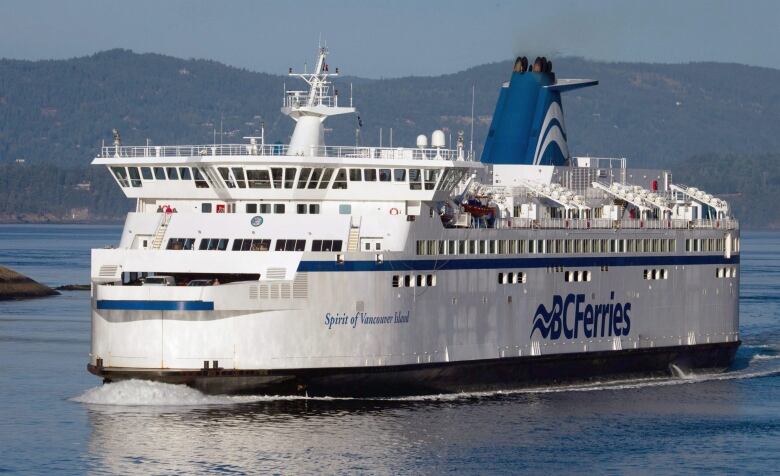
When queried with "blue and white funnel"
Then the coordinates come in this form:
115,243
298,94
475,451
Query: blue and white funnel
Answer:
527,126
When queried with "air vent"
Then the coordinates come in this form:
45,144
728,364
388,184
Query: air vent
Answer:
108,271
252,292
265,291
276,273
286,291
301,286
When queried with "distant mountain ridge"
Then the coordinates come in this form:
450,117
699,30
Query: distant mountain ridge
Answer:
705,119
60,110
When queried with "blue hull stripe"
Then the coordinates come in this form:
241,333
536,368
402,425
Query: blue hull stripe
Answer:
500,263
155,305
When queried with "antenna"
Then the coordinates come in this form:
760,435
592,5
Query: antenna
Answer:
380,137
471,139
350,94
391,137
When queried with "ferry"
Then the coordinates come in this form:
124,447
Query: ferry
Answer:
313,269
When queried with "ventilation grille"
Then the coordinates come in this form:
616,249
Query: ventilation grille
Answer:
301,286
108,271
252,292
276,273
265,291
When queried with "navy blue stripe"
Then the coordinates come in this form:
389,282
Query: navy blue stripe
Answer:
498,263
156,305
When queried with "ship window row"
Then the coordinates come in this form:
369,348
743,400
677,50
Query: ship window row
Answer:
565,246
136,176
511,278
411,280
311,178
252,244
653,274
707,244
577,276
727,272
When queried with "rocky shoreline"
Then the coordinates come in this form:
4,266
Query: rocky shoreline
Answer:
17,286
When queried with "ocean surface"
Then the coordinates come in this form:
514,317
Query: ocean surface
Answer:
57,418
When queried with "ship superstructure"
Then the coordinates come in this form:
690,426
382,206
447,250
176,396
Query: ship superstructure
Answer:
308,268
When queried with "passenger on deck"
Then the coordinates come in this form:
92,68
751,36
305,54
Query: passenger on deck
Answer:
159,209
216,281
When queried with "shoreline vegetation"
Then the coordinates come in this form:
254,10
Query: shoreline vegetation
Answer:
15,286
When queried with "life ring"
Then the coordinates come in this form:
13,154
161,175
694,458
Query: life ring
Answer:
394,211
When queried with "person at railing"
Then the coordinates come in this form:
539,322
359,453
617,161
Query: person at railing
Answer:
159,209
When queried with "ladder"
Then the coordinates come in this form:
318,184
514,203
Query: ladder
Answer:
354,239
159,234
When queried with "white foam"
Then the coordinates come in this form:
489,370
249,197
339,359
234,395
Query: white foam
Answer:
764,357
147,393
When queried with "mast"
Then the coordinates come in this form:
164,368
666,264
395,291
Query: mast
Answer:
309,109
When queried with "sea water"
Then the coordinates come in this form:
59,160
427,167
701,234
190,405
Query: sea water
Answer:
57,418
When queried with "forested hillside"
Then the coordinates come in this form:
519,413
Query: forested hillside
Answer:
58,112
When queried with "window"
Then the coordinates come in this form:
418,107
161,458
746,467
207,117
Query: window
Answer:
276,176
421,247
279,208
238,175
159,173
355,175
384,175
251,245
314,208
345,209
326,245
146,173
340,182
121,175
431,175
326,175
200,182
315,178
184,173
265,208
135,177
399,175
396,281
180,244
415,179
290,245
251,208
300,209
304,177
289,177
212,244
420,280
205,208
224,172
172,173
369,175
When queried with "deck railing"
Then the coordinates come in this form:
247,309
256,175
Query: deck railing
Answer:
243,150
582,224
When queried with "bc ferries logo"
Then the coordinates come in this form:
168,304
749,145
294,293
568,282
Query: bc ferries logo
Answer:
572,317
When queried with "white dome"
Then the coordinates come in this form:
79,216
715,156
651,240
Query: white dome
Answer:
437,138
422,141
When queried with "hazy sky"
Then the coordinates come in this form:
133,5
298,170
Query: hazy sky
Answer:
399,37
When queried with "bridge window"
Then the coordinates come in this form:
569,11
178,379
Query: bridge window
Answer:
415,179
200,182
146,173
315,178
340,182
369,175
326,175
135,177
121,175
159,173
184,173
180,244
225,173
276,176
399,175
172,173
384,175
238,174
289,177
211,244
304,177
431,176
